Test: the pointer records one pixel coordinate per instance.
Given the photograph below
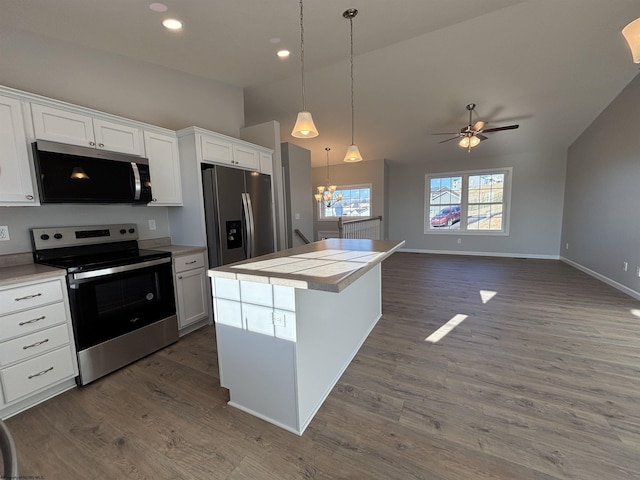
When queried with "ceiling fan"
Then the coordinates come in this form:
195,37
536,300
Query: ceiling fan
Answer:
471,135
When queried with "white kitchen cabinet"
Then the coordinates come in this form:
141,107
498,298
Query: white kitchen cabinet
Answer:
216,148
164,166
37,352
191,288
266,163
76,128
16,186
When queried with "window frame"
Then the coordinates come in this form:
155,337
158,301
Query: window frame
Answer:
320,205
464,202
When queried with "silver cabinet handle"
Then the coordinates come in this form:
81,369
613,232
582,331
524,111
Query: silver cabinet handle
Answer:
40,373
179,277
189,263
101,145
37,344
34,320
29,197
93,144
28,297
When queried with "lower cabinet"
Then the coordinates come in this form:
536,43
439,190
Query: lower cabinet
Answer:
37,353
191,288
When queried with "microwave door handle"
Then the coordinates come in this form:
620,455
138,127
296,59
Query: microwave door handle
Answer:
136,181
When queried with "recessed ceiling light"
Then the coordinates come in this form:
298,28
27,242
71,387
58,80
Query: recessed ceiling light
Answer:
283,53
158,7
172,23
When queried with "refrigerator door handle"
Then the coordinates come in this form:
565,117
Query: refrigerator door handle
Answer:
248,213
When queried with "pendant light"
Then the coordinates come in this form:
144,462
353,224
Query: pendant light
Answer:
304,127
353,154
325,192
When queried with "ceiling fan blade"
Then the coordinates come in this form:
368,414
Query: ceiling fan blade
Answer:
449,139
499,129
446,133
481,137
479,125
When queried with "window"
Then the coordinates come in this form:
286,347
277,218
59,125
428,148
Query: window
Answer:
356,202
469,202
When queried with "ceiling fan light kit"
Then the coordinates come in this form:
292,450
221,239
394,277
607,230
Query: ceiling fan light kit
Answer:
632,35
304,127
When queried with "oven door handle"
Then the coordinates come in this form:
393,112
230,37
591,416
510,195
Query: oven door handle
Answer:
74,277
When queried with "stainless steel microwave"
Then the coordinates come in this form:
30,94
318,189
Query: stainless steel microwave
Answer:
72,174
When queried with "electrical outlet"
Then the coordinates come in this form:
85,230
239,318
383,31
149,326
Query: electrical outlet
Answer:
566,246
4,233
278,319
625,266
459,241
152,224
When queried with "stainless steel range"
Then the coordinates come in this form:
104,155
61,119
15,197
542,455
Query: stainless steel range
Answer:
121,297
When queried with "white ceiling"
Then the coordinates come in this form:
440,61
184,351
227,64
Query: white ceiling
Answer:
550,65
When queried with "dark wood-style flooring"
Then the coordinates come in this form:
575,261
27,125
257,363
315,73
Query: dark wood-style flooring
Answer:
541,381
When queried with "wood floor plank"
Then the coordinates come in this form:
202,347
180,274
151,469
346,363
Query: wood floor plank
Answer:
541,381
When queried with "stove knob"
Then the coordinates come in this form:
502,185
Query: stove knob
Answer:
132,230
122,231
44,236
57,236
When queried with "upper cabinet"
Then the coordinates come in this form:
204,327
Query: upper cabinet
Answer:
229,151
65,126
16,187
164,167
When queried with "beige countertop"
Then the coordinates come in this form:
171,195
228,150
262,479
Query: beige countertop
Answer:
28,272
329,265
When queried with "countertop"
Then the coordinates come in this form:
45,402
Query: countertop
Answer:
330,265
28,272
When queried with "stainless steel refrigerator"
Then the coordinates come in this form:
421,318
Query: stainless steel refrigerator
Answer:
238,214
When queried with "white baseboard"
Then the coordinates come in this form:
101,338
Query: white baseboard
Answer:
602,278
482,254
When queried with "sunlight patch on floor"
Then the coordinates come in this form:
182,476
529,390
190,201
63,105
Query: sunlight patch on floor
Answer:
636,312
486,295
446,328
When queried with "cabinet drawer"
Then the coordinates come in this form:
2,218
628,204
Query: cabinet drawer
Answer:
29,296
38,373
29,321
188,262
34,344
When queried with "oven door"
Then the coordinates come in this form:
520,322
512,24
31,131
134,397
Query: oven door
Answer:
111,302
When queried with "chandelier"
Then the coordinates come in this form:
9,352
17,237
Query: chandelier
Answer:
326,191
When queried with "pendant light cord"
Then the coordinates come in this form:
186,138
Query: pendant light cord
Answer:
304,109
352,104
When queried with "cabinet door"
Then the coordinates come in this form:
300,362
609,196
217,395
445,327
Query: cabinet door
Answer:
266,163
216,150
62,126
116,137
164,167
16,186
193,304
246,157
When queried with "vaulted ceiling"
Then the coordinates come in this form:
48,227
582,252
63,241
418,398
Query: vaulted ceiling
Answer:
549,65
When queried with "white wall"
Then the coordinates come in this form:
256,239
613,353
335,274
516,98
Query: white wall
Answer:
601,224
536,206
116,85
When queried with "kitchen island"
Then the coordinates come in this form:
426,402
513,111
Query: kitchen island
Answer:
289,323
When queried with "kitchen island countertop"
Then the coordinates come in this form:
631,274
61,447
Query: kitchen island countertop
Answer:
329,265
